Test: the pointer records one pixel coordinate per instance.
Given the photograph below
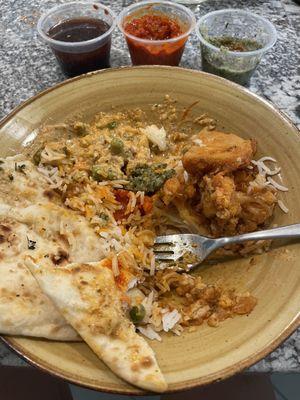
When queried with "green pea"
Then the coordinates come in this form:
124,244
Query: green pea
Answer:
102,173
116,146
137,313
97,173
111,125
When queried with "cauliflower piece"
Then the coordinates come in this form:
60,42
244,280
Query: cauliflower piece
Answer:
157,136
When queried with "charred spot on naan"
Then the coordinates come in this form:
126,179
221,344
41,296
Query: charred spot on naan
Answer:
143,363
5,228
60,258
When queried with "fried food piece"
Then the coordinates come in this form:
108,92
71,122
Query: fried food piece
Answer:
219,197
176,188
217,151
256,208
230,211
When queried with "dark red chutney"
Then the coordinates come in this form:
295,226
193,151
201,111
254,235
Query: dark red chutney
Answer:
81,30
154,28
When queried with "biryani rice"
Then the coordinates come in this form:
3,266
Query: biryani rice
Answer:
125,175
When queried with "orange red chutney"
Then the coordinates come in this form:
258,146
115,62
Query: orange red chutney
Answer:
153,27
156,30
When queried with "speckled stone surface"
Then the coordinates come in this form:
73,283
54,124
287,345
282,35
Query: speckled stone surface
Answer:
27,66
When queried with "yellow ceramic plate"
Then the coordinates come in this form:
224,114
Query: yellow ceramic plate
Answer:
209,354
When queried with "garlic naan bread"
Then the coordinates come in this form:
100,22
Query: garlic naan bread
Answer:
25,310
21,184
32,228
69,293
87,296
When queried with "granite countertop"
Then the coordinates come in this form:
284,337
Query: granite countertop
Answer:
27,66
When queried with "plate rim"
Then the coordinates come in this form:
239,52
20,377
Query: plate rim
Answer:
188,384
240,88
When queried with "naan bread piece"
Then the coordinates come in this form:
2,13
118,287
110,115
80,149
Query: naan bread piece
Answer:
25,310
71,234
47,235
86,295
34,229
21,184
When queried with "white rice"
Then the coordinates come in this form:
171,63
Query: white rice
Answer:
283,206
103,183
147,303
105,235
266,173
267,158
198,142
132,201
275,171
114,266
277,185
263,169
185,176
51,155
117,246
170,319
152,264
132,283
116,183
141,196
52,176
149,333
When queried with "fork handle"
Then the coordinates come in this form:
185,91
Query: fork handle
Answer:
289,231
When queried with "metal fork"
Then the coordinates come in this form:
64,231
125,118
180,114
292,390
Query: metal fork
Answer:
172,248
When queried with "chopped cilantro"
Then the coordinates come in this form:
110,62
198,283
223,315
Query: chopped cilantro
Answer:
104,218
148,178
20,168
31,244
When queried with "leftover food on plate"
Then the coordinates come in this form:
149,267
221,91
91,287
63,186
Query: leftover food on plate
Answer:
80,210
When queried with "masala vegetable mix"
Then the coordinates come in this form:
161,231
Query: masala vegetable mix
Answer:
133,180
81,211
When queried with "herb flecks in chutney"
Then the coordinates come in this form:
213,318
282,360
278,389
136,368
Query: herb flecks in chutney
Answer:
235,68
234,44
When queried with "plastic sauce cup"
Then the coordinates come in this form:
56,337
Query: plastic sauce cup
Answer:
157,52
237,66
77,57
